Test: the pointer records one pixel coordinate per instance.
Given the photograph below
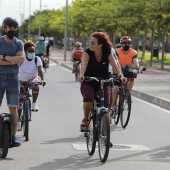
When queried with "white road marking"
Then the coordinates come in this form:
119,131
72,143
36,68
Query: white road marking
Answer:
152,104
122,147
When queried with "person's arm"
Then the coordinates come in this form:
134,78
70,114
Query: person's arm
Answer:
40,73
84,62
136,62
11,60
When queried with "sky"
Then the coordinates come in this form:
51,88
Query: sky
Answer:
15,8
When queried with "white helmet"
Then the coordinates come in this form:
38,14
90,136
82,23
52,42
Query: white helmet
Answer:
41,38
78,44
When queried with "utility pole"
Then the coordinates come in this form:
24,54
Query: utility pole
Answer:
29,19
65,33
39,30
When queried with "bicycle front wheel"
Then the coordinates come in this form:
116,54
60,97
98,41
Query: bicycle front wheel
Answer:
116,114
104,137
5,144
76,72
26,113
125,109
91,136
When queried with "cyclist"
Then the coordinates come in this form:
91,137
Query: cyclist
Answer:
29,71
11,54
126,56
77,54
48,51
95,62
40,47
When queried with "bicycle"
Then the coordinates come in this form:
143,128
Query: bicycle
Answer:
6,129
77,69
98,124
45,63
26,109
124,102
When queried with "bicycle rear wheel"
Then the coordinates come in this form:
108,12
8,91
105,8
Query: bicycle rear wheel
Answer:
104,137
5,144
125,109
91,136
26,114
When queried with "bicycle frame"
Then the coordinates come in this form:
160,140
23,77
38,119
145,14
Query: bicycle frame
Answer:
101,127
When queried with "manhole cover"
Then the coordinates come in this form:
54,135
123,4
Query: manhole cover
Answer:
120,147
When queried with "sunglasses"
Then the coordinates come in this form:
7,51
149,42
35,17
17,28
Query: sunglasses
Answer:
126,43
92,43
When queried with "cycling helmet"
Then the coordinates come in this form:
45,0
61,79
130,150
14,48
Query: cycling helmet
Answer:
125,39
78,44
11,22
41,38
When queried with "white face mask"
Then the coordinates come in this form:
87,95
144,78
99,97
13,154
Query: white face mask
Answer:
31,55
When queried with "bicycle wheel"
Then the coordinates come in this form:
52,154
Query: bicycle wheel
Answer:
26,113
76,72
104,137
5,145
116,114
91,136
125,109
45,66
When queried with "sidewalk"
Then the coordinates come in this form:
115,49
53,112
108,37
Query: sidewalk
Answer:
152,85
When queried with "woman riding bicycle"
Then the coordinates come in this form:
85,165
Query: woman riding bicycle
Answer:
29,71
94,63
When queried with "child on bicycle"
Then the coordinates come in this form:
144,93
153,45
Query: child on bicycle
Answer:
28,72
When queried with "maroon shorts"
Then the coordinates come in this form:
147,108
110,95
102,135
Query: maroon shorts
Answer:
88,92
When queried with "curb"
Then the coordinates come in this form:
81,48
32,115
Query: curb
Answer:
151,99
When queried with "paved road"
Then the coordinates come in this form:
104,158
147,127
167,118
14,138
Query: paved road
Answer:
57,144
152,86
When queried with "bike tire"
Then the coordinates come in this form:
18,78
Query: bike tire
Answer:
104,137
91,136
117,115
6,140
125,109
76,72
26,111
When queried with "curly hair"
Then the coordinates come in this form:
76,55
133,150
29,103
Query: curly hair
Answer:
103,39
28,44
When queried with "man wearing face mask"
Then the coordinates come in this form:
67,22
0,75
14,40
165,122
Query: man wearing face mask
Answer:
126,57
11,54
29,71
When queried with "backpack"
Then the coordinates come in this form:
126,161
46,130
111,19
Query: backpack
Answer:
34,61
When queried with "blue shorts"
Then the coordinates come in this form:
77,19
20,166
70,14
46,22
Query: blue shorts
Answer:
10,84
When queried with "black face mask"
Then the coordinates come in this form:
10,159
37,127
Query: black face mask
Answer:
126,47
10,34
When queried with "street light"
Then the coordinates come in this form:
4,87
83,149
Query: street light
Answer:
65,33
39,30
29,19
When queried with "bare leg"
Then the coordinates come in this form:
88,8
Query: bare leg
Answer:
87,108
114,95
14,113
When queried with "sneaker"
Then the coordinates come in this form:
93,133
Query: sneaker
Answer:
19,126
15,141
113,112
35,107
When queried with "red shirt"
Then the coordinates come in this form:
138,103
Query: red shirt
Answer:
77,53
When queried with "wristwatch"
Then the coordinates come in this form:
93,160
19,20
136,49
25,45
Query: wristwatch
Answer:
4,57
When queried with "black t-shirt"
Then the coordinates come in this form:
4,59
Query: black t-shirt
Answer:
95,68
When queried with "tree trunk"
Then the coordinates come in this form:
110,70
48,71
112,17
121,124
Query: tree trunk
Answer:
152,41
163,50
143,46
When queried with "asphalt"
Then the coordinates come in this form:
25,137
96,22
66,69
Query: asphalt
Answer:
152,85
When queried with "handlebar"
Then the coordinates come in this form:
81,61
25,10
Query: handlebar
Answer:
98,79
32,83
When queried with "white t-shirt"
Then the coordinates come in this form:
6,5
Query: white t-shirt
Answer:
28,69
113,52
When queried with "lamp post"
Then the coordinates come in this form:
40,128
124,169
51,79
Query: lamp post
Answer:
39,30
29,19
65,33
